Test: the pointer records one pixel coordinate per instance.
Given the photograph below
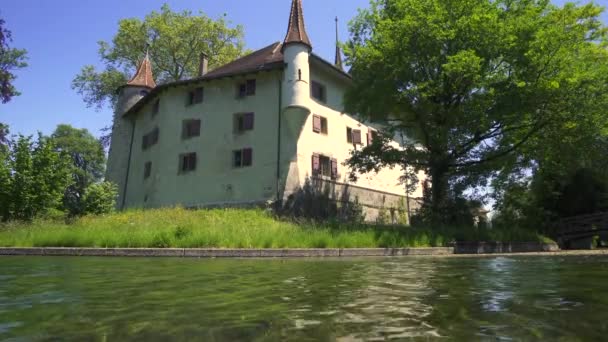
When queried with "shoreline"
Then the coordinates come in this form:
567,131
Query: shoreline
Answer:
276,253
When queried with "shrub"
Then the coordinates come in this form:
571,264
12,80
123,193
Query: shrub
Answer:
100,198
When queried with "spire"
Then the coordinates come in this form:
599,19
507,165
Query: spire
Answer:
338,61
296,32
143,77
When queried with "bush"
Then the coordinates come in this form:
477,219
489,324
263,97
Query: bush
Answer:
100,198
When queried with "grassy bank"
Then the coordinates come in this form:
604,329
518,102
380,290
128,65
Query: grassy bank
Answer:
230,228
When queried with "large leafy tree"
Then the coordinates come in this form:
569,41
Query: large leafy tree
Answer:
175,42
33,176
11,59
471,81
88,163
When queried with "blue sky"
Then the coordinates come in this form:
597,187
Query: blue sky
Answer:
61,36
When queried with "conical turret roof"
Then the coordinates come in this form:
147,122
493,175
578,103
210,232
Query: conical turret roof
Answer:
296,31
143,77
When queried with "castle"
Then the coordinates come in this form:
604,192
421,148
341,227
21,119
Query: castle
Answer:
256,130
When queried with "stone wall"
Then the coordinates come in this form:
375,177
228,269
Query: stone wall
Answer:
376,205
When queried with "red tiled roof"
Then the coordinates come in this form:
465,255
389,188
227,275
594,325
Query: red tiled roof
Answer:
296,31
143,77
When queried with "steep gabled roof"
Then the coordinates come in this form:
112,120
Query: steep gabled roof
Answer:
143,77
296,30
262,59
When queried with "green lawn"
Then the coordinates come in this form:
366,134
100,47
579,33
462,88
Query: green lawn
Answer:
230,228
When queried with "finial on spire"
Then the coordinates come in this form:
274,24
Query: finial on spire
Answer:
143,77
296,31
338,61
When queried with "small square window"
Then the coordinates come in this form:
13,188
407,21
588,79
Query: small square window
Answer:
324,166
150,139
318,91
147,170
247,88
196,96
242,158
349,135
187,162
191,128
319,124
243,122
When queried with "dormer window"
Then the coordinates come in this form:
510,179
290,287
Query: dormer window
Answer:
246,89
318,91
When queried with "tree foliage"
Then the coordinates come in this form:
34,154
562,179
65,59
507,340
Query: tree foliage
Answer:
100,198
175,41
11,59
33,177
88,163
472,82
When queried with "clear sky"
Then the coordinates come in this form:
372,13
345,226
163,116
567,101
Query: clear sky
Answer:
61,36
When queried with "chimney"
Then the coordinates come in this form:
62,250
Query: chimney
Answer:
203,66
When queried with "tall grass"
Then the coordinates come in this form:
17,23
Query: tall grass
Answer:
225,228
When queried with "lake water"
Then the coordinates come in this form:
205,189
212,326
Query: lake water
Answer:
466,299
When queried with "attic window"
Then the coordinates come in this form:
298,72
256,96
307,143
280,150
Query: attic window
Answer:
196,96
246,89
318,91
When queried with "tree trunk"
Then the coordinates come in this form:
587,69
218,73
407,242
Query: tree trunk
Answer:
439,187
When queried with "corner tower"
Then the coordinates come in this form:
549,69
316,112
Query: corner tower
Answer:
123,128
296,51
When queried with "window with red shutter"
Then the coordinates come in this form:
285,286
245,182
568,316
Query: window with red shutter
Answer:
243,122
187,162
247,157
242,158
334,168
316,124
356,136
248,121
251,85
316,164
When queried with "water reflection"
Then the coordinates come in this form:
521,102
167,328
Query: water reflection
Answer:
344,300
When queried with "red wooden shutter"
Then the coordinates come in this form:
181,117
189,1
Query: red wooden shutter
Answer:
250,87
196,129
356,136
247,157
248,121
192,161
316,124
316,164
334,168
370,138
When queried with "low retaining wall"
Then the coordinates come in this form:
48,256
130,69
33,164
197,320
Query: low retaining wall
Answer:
227,253
503,247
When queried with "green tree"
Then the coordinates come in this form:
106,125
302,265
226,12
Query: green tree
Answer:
100,198
88,163
175,41
10,60
470,81
38,178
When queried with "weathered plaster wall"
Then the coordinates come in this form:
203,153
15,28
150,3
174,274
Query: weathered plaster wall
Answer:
214,181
